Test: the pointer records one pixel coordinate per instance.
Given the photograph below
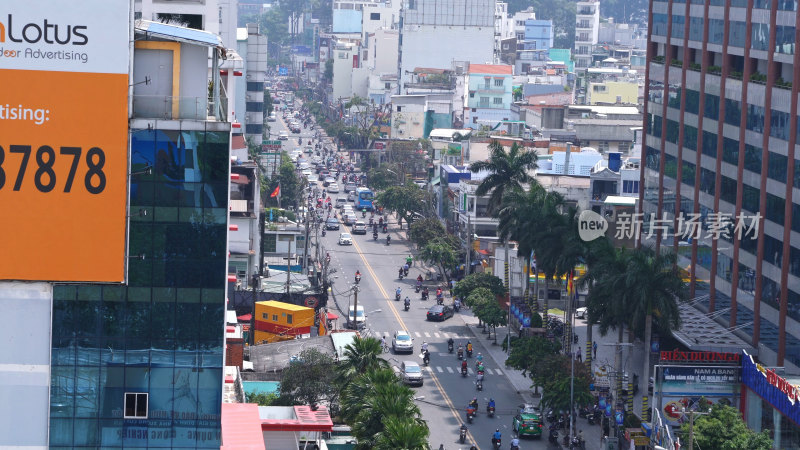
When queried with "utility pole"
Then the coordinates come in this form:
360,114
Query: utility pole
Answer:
691,426
289,259
305,250
469,244
355,307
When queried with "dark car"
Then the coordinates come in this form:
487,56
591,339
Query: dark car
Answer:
333,224
440,312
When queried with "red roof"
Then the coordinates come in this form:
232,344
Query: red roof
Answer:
240,427
501,69
306,420
244,318
238,142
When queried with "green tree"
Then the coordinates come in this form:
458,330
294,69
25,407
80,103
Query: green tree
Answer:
407,201
508,171
492,315
291,185
361,355
310,379
528,352
385,401
426,230
261,398
557,393
467,285
477,298
517,92
653,286
440,252
356,389
402,433
379,178
268,106
723,429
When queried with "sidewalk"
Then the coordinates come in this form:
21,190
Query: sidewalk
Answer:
632,360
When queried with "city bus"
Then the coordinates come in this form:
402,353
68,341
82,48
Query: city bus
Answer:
364,198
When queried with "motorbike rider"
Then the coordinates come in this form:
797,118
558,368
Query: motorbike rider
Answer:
491,404
515,443
358,274
388,238
425,293
464,365
496,436
460,351
480,368
474,403
426,356
424,345
409,260
450,343
469,346
405,268
399,272
479,358
407,302
397,292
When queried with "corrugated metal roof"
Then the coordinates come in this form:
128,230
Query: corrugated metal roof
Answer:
241,427
178,33
238,205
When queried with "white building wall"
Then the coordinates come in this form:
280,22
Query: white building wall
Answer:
228,19
342,72
487,117
383,49
438,46
209,9
359,82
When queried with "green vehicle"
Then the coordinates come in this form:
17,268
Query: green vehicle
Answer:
528,421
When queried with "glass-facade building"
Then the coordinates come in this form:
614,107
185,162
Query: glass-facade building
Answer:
721,142
140,365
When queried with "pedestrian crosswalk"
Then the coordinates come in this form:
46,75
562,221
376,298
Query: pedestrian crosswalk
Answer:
470,372
442,335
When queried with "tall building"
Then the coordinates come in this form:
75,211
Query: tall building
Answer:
587,29
139,364
435,33
721,130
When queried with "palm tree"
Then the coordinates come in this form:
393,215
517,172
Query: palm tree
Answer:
362,355
354,394
386,400
653,286
401,433
523,215
509,172
597,251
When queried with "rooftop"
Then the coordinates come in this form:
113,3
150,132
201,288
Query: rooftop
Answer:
500,69
286,306
295,418
276,356
241,427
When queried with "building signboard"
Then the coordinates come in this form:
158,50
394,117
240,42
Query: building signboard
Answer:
64,140
782,395
679,388
700,357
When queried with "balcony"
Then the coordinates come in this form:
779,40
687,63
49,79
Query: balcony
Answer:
495,90
174,108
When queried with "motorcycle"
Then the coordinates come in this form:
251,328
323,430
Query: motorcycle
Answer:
397,296
595,417
460,354
576,443
462,436
417,288
375,236
496,443
470,414
358,279
490,411
553,437
469,353
405,272
384,228
406,306
584,412
400,275
575,338
479,385
463,371
450,347
514,447
426,359
424,295
440,301
388,239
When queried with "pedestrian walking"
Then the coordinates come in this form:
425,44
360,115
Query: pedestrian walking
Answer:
521,328
594,348
580,357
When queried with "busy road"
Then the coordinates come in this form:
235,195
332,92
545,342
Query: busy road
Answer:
445,394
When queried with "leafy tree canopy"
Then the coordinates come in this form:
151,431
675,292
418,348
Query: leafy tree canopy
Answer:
310,379
474,281
724,429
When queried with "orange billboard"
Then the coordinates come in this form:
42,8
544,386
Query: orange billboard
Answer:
63,140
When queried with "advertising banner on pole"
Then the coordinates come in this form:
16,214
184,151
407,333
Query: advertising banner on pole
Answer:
64,140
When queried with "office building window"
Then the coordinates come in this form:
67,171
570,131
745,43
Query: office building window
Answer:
730,151
498,82
687,172
709,144
375,16
711,109
752,158
777,167
759,36
779,125
733,112
255,86
678,22
498,101
672,131
692,101
690,137
716,31
784,39
696,28
135,405
659,24
602,146
755,118
738,30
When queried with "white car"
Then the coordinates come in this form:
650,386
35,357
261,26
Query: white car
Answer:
402,342
333,187
283,136
349,219
345,239
580,313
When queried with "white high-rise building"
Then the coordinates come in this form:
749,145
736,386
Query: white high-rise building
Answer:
587,29
434,33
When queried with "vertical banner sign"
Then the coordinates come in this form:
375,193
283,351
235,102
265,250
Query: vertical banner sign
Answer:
63,140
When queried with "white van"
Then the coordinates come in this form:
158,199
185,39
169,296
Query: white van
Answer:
360,320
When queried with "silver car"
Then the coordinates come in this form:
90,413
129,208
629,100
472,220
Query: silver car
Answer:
411,373
402,342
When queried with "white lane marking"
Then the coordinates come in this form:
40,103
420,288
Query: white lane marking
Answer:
427,335
439,369
450,369
436,335
469,371
417,333
498,371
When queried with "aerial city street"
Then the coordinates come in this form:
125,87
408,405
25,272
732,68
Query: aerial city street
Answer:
400,224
